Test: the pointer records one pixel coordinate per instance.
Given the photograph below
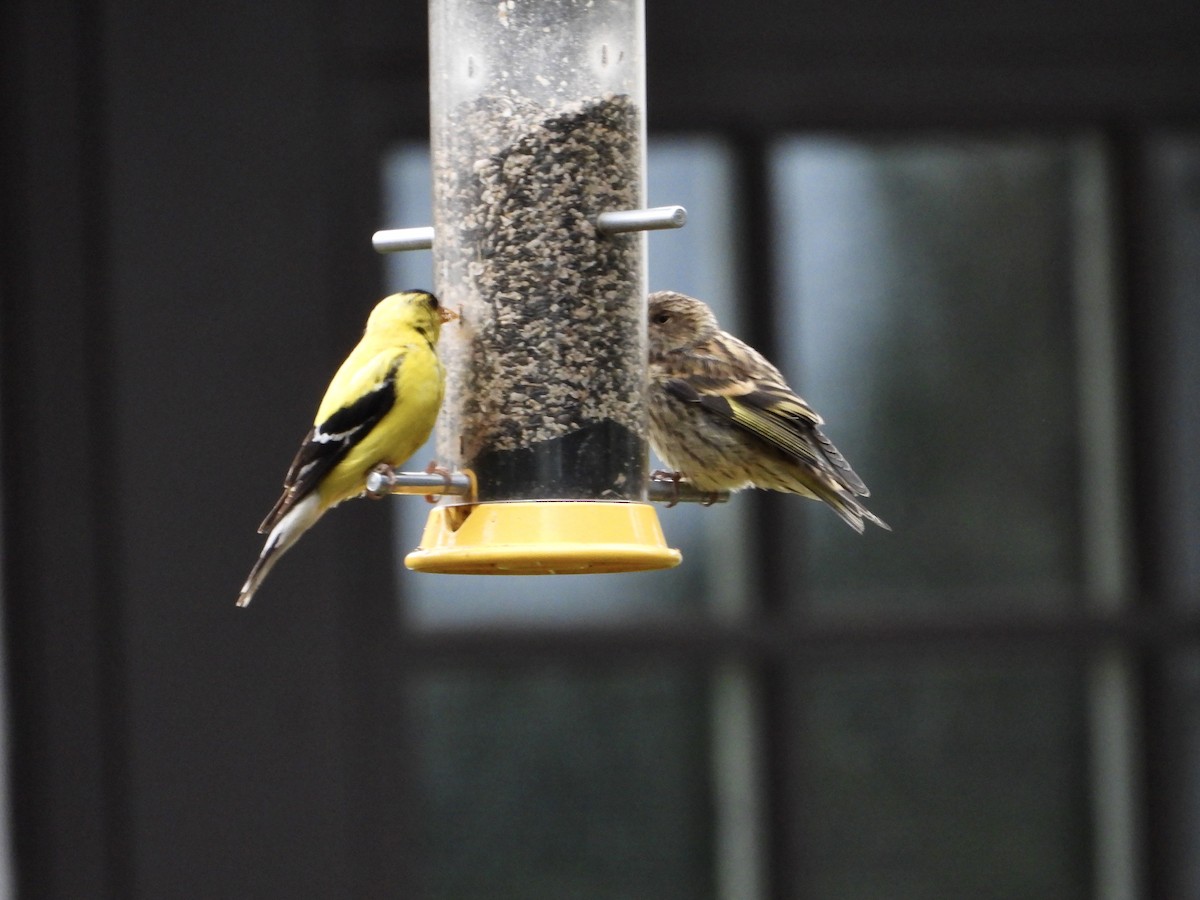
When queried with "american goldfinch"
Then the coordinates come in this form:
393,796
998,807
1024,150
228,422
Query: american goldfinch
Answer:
379,408
725,418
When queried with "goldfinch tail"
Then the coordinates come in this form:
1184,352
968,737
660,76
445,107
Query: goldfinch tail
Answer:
298,520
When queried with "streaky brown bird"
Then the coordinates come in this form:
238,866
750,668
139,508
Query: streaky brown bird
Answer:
724,418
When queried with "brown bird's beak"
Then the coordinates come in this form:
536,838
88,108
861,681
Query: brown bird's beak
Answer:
447,315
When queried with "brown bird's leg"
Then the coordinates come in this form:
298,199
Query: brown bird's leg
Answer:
673,477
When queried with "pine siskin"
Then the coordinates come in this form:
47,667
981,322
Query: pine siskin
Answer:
725,418
379,408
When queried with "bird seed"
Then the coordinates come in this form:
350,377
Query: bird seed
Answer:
545,390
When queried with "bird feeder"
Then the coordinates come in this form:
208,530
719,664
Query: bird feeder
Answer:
538,148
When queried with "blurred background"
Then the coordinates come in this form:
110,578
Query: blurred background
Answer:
971,237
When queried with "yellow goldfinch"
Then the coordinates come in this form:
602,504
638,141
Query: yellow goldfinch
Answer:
379,408
725,418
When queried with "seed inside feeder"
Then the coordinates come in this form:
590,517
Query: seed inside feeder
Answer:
544,394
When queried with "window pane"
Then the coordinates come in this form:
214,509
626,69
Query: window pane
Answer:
694,172
1176,773
1173,241
928,312
942,778
551,784
1173,238
928,316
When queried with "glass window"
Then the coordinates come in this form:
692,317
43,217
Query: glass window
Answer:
1172,237
559,783
927,315
937,306
955,776
1173,475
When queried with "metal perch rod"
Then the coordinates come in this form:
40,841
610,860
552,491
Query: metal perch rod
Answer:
642,219
381,482
394,240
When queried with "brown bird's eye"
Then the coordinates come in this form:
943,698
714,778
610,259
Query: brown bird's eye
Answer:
662,318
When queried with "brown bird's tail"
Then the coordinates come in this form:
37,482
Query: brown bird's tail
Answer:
847,506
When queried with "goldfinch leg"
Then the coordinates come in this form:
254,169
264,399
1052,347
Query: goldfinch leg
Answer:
385,471
434,469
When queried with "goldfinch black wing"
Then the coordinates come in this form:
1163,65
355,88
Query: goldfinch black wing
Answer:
328,442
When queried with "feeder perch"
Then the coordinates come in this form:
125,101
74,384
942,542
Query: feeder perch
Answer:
538,144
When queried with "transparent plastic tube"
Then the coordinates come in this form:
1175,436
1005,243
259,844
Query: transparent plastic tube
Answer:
537,126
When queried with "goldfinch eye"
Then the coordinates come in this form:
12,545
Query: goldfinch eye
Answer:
662,318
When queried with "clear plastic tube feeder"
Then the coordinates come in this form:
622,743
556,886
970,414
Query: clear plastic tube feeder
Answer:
538,128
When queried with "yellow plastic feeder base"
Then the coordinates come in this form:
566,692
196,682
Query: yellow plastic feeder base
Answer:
543,537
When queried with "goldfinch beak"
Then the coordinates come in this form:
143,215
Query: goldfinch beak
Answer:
447,315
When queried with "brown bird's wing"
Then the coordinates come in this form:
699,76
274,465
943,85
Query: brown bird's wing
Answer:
772,412
328,442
